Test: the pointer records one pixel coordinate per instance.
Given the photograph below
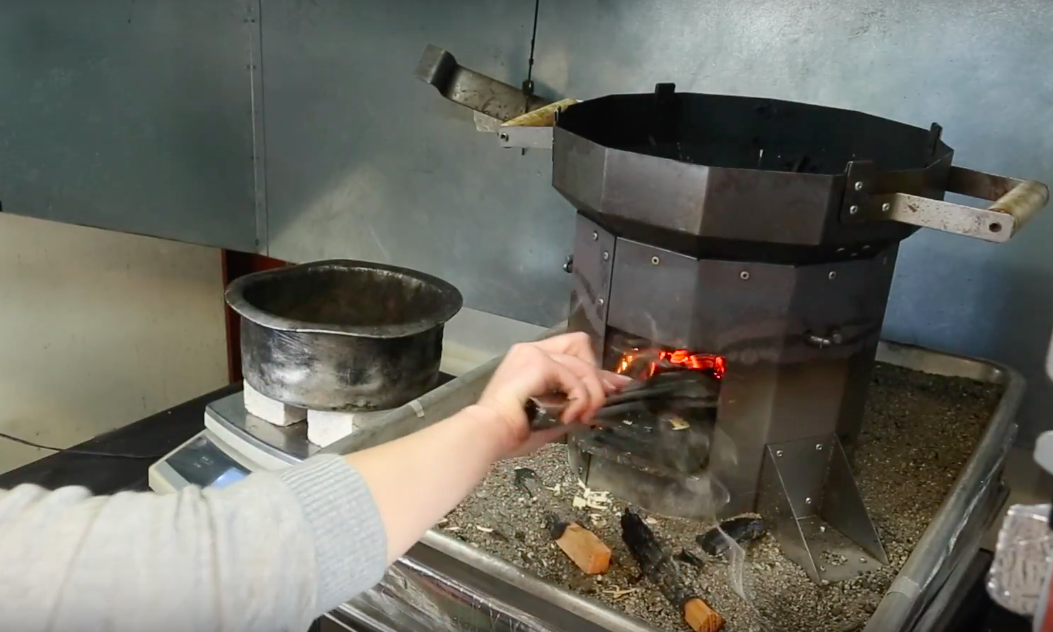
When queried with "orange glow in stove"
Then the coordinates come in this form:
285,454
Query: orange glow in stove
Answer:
679,358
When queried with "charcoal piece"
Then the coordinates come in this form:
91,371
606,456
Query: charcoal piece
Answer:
742,530
689,558
645,548
523,476
555,526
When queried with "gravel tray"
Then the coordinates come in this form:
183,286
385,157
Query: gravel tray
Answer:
918,432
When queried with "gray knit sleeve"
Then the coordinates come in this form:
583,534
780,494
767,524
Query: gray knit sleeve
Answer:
272,552
349,538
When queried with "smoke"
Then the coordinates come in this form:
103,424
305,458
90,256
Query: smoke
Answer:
714,497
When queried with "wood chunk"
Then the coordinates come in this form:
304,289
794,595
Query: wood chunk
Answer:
646,549
585,549
701,617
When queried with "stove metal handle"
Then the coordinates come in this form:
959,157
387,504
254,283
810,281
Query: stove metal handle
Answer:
1019,198
1015,202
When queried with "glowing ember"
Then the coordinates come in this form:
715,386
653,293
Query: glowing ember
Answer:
679,358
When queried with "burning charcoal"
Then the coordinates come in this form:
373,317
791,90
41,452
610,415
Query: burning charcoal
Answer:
522,476
687,557
554,526
742,530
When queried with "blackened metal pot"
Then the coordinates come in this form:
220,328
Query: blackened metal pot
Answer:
342,335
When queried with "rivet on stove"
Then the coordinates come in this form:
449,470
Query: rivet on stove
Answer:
859,186
822,528
862,560
886,207
778,453
744,275
599,302
655,261
832,276
606,255
819,447
595,235
852,210
807,501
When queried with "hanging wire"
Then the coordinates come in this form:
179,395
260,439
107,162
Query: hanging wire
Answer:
529,84
112,455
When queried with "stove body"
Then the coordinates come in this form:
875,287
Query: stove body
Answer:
724,226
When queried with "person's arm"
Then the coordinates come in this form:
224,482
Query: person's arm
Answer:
418,479
277,550
272,552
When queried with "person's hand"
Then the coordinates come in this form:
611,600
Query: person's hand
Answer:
562,364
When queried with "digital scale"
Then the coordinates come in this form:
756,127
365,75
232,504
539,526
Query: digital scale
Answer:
235,443
232,444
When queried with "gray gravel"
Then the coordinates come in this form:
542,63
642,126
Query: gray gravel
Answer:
918,432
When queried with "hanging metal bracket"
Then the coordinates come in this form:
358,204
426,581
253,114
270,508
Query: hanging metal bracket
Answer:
471,89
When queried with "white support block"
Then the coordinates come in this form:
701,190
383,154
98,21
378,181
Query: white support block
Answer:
325,427
271,410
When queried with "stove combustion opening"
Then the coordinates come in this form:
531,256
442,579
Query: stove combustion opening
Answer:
641,360
668,429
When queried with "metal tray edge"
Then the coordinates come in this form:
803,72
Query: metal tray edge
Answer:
931,560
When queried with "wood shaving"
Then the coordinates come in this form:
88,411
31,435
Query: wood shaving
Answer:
619,593
484,529
679,424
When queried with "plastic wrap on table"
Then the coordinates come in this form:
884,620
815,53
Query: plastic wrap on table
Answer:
1019,575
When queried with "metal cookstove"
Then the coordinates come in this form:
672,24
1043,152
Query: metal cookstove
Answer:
754,240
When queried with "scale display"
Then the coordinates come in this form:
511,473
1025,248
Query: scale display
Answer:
201,463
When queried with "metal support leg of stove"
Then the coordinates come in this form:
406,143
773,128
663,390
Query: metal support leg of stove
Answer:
810,498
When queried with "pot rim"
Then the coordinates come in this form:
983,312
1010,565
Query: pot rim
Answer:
235,298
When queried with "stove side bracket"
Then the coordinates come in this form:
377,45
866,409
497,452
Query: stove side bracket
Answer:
870,196
810,498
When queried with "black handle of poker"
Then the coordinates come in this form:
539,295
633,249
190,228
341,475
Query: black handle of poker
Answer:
538,418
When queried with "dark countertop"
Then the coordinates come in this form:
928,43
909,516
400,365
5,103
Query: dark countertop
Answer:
153,436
